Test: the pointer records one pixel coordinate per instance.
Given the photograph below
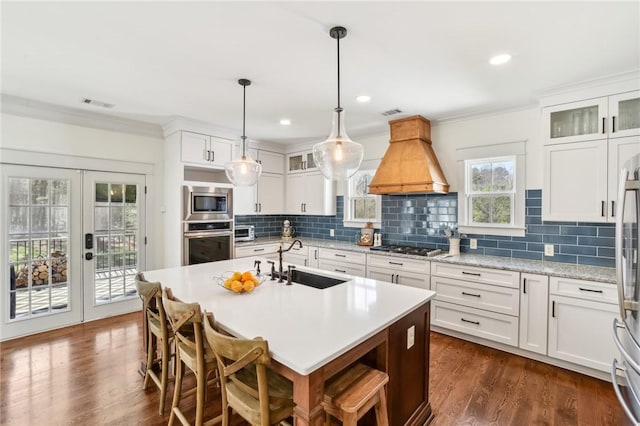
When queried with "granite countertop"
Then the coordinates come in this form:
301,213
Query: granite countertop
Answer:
565,270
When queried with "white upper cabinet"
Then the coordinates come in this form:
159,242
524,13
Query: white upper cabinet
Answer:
605,117
624,112
205,150
586,143
266,196
298,162
310,194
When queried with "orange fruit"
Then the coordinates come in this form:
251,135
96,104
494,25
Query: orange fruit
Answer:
236,286
247,276
227,283
236,276
256,282
248,286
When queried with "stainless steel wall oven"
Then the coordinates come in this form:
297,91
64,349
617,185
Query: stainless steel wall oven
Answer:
207,242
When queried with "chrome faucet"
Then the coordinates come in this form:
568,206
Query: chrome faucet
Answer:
280,251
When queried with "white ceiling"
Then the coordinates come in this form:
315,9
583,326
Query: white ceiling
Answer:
160,60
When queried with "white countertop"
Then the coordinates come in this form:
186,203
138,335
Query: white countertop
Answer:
305,327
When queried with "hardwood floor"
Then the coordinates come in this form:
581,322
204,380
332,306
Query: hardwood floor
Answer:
87,374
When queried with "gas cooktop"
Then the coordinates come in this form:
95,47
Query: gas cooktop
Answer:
416,251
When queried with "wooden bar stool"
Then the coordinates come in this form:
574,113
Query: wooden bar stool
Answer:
350,395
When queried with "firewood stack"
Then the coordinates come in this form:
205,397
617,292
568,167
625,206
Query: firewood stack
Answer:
40,270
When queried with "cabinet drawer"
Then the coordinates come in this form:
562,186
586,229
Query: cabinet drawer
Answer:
487,325
295,259
581,289
480,275
343,256
399,263
482,296
343,268
261,250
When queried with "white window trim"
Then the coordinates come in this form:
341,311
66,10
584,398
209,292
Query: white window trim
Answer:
512,149
351,223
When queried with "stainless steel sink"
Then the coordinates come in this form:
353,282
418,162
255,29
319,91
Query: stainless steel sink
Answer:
313,280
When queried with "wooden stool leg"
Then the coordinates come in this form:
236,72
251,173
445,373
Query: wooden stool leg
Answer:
165,374
349,419
201,385
150,353
177,389
382,417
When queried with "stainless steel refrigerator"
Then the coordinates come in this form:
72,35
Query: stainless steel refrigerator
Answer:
625,373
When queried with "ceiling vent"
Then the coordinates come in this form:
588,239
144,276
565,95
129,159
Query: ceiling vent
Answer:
97,103
391,112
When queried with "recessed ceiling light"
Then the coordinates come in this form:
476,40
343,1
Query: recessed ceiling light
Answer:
285,122
363,98
500,59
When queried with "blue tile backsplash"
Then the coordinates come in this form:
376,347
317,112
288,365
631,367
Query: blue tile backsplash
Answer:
420,220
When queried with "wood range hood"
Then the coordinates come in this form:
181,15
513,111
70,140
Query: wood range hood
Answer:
410,165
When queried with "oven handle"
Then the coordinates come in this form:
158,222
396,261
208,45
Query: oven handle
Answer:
204,234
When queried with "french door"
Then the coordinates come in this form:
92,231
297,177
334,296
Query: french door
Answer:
49,279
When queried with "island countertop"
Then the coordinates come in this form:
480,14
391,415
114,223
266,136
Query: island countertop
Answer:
306,327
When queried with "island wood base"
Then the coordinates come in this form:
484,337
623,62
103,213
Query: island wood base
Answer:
408,369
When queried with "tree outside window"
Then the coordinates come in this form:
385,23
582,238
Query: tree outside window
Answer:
360,206
491,191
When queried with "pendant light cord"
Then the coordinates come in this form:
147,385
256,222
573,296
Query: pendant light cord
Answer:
339,108
244,112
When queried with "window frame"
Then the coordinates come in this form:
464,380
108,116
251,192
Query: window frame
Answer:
467,157
348,221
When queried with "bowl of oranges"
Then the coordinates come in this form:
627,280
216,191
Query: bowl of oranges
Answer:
240,282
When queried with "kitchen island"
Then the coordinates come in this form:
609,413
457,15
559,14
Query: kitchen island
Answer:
314,334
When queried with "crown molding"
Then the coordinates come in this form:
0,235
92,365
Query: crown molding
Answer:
588,89
15,105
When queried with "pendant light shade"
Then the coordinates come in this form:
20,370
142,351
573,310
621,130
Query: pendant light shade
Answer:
243,171
338,157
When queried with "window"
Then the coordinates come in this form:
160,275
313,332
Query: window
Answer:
361,207
492,198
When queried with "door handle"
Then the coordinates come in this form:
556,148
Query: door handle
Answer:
613,124
602,208
553,309
613,209
88,256
470,273
472,322
524,285
470,294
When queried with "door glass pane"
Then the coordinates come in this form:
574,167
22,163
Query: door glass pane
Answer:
574,122
115,248
102,192
629,114
295,162
38,246
310,163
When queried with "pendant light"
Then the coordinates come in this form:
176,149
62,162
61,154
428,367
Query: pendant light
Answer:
243,171
338,157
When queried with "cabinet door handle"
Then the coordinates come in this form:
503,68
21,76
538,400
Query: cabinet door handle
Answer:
613,124
259,249
602,208
340,255
260,207
553,309
392,277
256,208
315,254
213,156
613,209
590,290
470,294
472,322
604,124
340,270
475,274
524,285
396,263
205,154
306,261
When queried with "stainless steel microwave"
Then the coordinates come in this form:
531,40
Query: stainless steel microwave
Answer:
245,232
207,203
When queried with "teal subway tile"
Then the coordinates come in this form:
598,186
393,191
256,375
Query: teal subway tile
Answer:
513,245
560,239
597,261
526,255
580,250
579,230
596,241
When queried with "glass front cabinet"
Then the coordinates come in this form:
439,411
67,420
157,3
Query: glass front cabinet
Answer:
300,162
598,118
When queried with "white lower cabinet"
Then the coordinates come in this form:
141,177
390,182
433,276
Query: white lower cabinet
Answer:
534,302
297,255
313,257
580,318
485,324
478,301
398,270
270,251
343,261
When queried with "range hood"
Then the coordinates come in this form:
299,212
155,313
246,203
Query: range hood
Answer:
410,165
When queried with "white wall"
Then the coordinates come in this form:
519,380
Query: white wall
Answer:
30,134
488,129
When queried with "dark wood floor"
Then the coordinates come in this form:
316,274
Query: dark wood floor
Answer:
87,375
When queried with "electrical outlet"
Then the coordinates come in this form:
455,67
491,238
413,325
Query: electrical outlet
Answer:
473,244
332,232
411,336
548,249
